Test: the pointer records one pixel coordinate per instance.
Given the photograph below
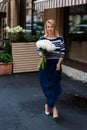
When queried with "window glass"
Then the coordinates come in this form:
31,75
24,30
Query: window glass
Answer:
28,16
78,23
34,19
77,33
38,19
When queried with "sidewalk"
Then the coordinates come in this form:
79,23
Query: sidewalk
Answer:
22,104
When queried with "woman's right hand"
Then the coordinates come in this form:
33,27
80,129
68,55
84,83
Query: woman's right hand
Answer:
41,54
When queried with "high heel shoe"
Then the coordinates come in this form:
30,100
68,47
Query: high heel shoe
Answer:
47,111
55,112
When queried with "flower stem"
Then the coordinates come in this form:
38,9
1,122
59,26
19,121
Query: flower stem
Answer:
41,63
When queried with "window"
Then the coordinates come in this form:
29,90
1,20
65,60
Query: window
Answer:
34,19
76,34
78,23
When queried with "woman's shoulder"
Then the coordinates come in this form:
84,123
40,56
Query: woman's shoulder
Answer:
60,37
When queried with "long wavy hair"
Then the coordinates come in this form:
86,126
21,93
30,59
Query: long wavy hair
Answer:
52,22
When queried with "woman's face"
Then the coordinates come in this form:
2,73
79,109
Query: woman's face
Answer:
50,29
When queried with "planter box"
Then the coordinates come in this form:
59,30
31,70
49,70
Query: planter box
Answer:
25,58
5,69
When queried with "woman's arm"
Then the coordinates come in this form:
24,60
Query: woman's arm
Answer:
62,53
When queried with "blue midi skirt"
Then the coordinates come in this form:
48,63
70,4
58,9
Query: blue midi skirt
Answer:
50,81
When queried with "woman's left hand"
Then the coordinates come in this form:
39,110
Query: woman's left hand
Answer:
59,63
58,66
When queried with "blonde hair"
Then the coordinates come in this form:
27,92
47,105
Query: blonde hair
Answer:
52,22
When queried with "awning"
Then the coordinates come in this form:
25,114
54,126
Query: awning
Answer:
47,4
2,1
3,4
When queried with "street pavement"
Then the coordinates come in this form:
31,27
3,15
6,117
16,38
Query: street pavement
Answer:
22,104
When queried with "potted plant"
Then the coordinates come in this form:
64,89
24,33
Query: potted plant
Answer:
6,60
23,49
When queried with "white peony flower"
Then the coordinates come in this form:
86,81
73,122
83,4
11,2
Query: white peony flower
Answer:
45,45
16,29
14,33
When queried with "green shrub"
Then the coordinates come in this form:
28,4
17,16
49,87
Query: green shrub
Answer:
7,47
5,58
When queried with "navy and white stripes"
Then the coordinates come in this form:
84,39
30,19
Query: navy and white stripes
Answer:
60,47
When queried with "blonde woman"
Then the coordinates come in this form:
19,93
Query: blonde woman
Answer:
50,76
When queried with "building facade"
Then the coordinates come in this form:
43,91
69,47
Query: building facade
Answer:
71,19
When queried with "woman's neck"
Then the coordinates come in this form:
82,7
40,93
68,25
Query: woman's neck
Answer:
50,36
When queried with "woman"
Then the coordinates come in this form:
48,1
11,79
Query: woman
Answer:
50,76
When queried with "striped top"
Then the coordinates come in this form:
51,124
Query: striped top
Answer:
60,47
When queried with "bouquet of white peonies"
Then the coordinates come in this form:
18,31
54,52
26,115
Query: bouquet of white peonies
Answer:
45,47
